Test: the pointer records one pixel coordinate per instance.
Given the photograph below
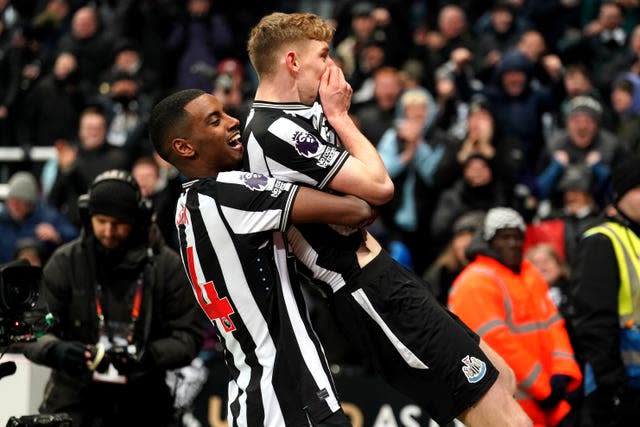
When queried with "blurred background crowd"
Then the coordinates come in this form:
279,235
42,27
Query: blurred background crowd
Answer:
471,104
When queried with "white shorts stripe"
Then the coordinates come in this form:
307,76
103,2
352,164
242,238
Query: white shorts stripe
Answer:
412,360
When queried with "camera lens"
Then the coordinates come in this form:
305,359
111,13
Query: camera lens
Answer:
19,285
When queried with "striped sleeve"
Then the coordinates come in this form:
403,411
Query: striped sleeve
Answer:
252,202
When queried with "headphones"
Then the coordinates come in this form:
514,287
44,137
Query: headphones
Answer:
145,205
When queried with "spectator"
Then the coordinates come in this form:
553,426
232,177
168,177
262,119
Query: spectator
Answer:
451,40
233,88
452,107
520,106
584,142
590,11
362,28
411,76
633,53
625,99
10,16
377,115
52,19
26,215
91,45
372,58
369,45
498,31
505,299
478,188
163,193
149,25
566,218
452,259
78,163
577,82
408,157
604,294
52,108
29,249
9,83
31,58
555,271
547,66
602,46
199,42
128,58
484,135
127,111
555,20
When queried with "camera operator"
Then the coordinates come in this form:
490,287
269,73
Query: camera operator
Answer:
124,314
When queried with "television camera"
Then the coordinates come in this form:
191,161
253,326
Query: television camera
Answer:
19,289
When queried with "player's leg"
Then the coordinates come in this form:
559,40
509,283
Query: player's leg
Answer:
496,408
507,377
425,351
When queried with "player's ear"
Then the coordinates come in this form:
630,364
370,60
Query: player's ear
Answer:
183,147
292,60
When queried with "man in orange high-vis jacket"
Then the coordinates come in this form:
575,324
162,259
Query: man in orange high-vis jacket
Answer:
505,300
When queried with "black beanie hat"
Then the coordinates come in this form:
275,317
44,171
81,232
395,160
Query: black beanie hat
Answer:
115,198
625,176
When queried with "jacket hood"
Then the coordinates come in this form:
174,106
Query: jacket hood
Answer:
513,60
634,79
479,246
431,106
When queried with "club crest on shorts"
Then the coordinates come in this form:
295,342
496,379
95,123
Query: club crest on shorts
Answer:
474,369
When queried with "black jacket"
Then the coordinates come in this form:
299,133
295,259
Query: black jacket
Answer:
168,329
595,284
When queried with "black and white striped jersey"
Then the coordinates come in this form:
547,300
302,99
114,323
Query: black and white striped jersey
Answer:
294,143
232,246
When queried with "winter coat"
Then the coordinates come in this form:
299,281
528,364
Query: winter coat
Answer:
520,321
597,296
167,332
11,231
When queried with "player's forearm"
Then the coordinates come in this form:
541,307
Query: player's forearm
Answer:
367,178
360,147
317,206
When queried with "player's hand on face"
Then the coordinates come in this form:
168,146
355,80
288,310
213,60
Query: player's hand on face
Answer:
335,92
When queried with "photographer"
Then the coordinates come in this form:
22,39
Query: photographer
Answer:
124,312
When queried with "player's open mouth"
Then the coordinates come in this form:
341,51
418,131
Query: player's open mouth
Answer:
234,141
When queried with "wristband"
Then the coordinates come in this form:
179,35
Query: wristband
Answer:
99,356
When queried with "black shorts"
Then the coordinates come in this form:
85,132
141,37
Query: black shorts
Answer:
413,342
336,419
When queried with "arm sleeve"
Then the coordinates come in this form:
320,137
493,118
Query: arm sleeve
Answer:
548,179
182,335
295,152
